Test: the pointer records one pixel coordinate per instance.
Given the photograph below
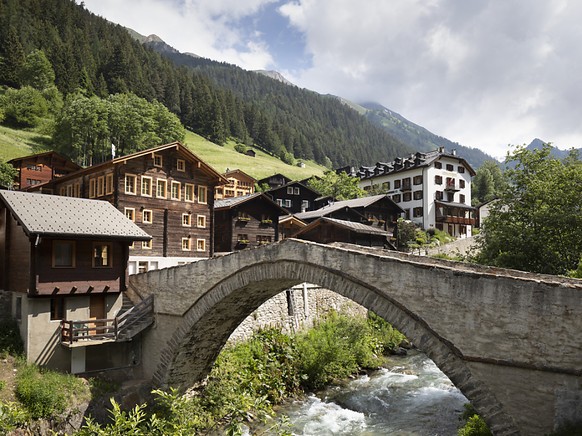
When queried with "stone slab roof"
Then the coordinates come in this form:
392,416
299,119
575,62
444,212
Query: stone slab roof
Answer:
58,216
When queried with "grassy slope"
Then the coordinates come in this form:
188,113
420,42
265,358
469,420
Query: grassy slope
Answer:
17,143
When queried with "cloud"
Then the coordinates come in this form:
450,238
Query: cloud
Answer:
207,28
484,74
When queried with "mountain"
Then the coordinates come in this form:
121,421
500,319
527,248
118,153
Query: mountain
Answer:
417,136
537,144
275,75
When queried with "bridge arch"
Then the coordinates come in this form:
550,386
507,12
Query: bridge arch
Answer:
433,304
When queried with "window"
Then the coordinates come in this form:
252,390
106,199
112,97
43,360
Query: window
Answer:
417,212
295,191
32,182
146,186
407,196
186,219
417,180
146,245
279,202
69,190
181,165
418,195
201,221
185,244
130,213
461,183
450,167
77,190
396,198
439,195
147,216
92,186
438,180
175,191
263,239
304,204
242,238
202,194
161,188
34,167
397,184
63,191
461,198
109,184
438,165
63,254
130,184
386,186
57,309
142,267
461,169
158,161
100,186
290,190
188,192
201,244
101,255
287,203
406,183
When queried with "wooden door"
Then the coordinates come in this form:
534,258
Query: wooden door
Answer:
96,311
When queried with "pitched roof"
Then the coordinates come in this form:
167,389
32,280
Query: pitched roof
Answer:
52,154
353,226
238,171
58,216
352,204
228,203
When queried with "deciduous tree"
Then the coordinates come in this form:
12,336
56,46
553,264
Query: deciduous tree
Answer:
339,186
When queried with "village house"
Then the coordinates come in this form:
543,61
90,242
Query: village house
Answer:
433,189
166,190
239,184
248,221
63,262
274,181
41,168
296,197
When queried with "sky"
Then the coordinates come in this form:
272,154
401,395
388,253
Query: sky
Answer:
484,73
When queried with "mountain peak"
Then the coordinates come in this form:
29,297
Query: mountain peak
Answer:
274,75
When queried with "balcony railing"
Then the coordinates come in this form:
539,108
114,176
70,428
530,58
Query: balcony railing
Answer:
120,328
455,220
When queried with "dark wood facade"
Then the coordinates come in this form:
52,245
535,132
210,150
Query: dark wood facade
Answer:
326,231
41,168
274,181
250,222
295,197
167,191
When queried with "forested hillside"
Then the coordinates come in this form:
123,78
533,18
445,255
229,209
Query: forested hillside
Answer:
91,57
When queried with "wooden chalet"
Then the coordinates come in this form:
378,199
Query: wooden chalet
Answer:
377,210
41,168
274,181
248,221
326,230
295,197
64,262
290,225
239,184
166,190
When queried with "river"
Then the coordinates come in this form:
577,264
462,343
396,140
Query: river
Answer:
411,396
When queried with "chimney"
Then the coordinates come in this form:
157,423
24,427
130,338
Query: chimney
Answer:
441,149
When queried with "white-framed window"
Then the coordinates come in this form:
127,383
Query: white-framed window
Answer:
188,192
161,188
181,165
202,191
305,204
295,191
158,160
186,219
201,221
100,186
69,190
147,216
130,213
290,190
201,245
92,188
175,191
102,255
146,245
279,202
130,182
64,254
186,244
287,203
109,183
146,186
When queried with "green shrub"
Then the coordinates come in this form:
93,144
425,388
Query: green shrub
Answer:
46,393
10,341
474,424
12,416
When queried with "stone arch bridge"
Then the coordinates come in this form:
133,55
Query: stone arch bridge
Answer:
510,341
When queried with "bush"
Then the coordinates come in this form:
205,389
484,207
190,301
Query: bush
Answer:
24,107
47,393
474,424
10,341
12,416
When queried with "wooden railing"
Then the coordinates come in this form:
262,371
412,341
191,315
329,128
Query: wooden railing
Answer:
108,329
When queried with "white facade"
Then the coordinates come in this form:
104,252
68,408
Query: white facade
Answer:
433,188
142,264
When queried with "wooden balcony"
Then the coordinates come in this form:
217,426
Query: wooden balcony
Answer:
450,219
75,333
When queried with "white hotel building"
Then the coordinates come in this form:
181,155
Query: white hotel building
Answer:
433,188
